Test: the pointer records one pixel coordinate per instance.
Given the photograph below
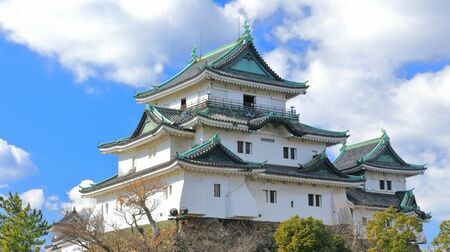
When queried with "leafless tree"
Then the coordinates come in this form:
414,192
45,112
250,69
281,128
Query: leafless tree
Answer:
140,198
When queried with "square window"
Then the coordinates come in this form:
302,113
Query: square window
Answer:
249,100
389,185
311,199
248,148
318,200
240,147
217,190
286,152
381,184
293,153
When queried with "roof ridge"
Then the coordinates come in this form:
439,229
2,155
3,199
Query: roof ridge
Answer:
212,141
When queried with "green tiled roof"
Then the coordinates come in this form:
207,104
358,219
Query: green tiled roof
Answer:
402,200
225,61
213,153
377,152
154,117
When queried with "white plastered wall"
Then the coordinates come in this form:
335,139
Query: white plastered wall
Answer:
372,183
262,150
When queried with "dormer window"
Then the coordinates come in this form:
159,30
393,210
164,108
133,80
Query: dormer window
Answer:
249,100
183,103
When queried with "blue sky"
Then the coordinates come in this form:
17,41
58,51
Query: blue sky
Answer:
60,95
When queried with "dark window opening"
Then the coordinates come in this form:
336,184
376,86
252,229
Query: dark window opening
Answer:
311,199
381,184
389,185
318,200
273,196
249,100
240,147
183,103
292,204
293,153
286,152
216,190
248,148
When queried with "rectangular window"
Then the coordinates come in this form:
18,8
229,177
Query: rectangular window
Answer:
273,196
269,140
286,152
389,185
167,191
183,103
293,153
364,220
318,200
249,100
292,204
315,200
248,148
106,208
310,199
381,184
240,147
266,192
217,190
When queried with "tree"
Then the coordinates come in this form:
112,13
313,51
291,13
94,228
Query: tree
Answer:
139,199
20,227
392,230
306,234
136,201
442,241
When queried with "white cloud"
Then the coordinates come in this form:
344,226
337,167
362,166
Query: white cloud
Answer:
34,197
52,203
14,162
4,186
357,47
75,198
124,41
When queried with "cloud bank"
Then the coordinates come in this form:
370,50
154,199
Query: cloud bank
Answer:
124,41
15,163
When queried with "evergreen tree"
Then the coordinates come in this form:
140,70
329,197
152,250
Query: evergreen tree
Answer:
392,230
21,228
442,241
306,234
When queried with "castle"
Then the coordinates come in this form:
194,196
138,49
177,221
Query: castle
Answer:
219,136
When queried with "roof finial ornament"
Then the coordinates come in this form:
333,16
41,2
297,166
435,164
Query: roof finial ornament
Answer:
385,135
247,36
194,55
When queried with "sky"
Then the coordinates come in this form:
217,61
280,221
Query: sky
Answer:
69,70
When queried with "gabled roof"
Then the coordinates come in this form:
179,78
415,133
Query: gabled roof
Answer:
153,123
238,60
402,200
214,153
320,167
377,154
157,120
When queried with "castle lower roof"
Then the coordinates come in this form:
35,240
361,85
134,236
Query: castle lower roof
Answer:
402,200
376,154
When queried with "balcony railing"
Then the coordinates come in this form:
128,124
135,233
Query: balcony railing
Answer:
252,111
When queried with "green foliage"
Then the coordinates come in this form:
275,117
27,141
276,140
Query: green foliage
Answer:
306,234
442,241
20,228
392,230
